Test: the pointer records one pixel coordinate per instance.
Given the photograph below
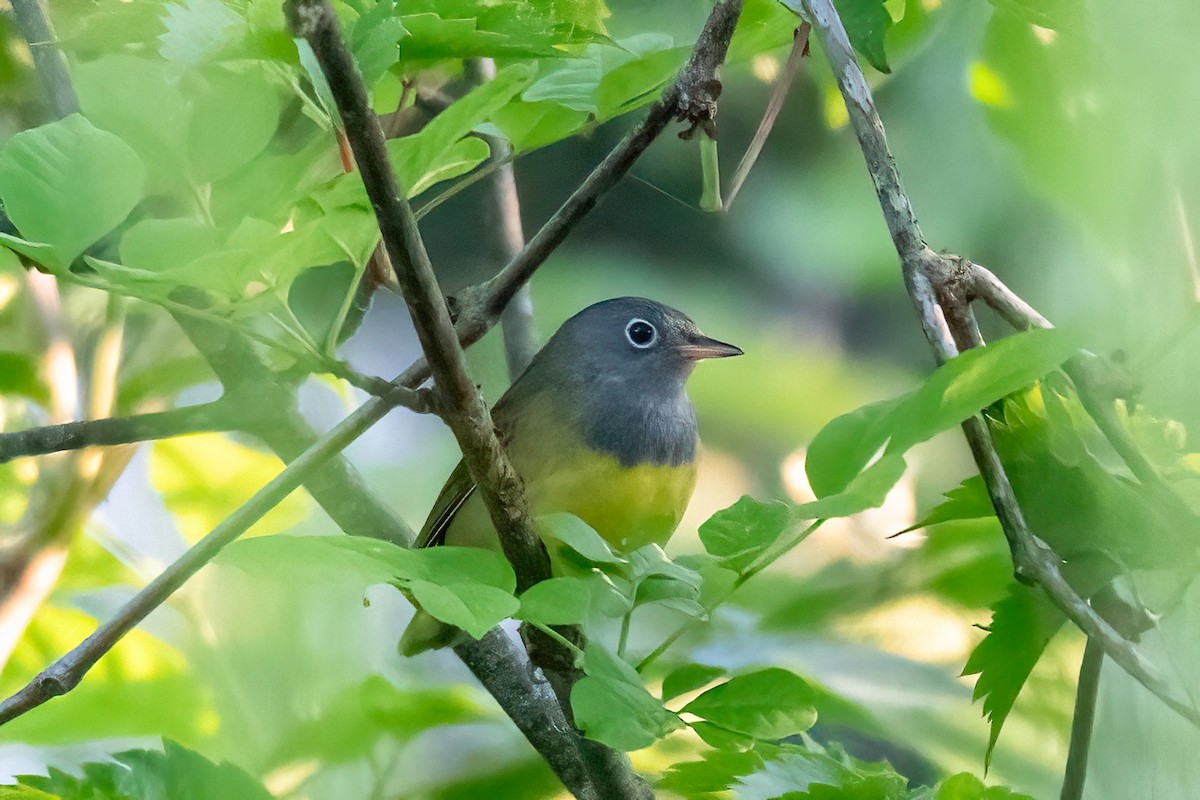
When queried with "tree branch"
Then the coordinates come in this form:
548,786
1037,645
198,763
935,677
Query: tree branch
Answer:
65,673
48,60
116,430
1081,723
941,288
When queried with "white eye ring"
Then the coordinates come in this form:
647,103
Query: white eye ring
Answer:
635,333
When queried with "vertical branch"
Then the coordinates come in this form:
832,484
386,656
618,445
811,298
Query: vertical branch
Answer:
941,288
463,407
1081,723
506,238
48,60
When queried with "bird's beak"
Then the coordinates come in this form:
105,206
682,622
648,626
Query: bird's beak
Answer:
699,346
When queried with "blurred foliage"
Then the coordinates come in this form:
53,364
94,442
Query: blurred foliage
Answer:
202,179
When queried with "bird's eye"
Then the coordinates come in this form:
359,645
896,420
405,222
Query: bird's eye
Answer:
641,334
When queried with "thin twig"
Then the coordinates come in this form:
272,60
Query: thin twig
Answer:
941,288
116,430
1075,773
779,93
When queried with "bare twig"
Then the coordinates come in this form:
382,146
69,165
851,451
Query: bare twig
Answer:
116,430
48,60
778,94
941,288
1081,723
506,238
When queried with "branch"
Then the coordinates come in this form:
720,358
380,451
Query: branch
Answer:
48,60
691,97
1081,724
116,430
505,237
941,288
531,704
65,673
463,408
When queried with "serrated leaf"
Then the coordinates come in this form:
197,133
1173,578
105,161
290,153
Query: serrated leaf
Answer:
556,601
689,678
968,500
771,703
612,706
67,184
374,39
1022,625
714,774
578,536
741,533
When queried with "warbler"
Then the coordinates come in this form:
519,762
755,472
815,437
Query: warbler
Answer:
600,426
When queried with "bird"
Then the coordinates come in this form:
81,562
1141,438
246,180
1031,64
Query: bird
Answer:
599,425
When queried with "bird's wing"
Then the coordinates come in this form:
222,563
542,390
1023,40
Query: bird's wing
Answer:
459,486
458,489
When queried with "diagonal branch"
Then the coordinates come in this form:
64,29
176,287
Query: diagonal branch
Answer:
689,97
48,60
941,288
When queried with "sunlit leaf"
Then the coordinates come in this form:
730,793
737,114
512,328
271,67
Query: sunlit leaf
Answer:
578,536
67,184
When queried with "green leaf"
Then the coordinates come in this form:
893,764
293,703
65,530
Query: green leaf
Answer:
965,786
968,500
612,706
474,607
436,151
772,703
711,776
556,601
67,184
571,84
638,81
143,774
1022,625
953,392
722,739
741,533
867,22
374,39
847,443
689,678
578,536
246,95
